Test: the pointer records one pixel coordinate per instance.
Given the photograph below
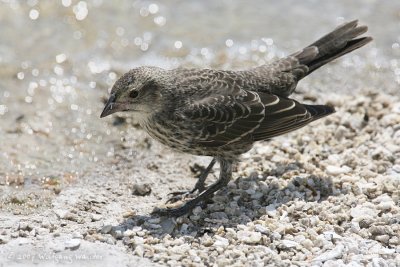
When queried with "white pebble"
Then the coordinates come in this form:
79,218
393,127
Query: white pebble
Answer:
61,213
249,237
139,251
331,236
335,170
289,243
72,244
335,253
271,210
361,212
221,242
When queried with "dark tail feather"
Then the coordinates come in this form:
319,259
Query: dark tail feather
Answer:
339,42
319,111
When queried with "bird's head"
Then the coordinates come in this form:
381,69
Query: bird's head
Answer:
138,90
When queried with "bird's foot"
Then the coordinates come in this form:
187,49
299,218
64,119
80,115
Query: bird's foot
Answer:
181,195
182,210
177,196
205,193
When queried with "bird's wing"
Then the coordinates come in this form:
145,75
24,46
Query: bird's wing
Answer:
219,120
283,115
248,116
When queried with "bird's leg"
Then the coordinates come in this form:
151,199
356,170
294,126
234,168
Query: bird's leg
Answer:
203,176
199,184
224,178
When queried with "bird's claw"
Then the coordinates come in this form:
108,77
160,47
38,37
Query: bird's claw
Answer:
171,212
181,195
177,196
177,212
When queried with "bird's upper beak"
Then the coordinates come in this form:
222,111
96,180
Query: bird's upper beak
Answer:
111,107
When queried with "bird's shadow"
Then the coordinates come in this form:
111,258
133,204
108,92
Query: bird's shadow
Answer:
248,205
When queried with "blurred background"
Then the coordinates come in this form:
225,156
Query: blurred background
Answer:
58,60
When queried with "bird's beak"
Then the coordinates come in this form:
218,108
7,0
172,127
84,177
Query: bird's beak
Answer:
110,107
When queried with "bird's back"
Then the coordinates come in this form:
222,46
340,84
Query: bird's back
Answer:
227,110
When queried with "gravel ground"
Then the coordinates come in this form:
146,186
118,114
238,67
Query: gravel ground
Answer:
326,195
77,190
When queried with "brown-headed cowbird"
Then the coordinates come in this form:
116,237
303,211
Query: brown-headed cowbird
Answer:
222,113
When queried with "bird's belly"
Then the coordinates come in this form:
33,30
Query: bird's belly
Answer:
184,140
170,135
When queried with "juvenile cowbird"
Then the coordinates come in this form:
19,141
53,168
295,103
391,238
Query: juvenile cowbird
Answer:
222,113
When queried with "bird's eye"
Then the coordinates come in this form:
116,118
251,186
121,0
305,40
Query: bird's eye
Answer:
133,94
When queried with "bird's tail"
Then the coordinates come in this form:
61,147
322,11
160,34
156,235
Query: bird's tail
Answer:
319,111
335,44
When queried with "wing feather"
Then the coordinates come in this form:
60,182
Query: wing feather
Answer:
221,120
285,116
246,116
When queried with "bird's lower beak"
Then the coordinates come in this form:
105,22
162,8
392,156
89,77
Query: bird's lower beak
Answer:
110,108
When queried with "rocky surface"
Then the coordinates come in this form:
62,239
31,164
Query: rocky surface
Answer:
77,190
328,194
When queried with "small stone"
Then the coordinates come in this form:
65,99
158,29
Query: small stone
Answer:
307,243
23,241
57,247
195,217
156,220
286,244
394,241
271,210
98,237
184,228
331,236
61,213
221,242
56,233
207,241
335,170
136,229
257,195
154,226
96,217
335,253
127,241
362,212
110,240
168,225
129,233
14,234
117,234
340,132
66,215
249,237
24,226
378,262
261,229
139,250
276,236
46,224
219,215
387,205
141,189
197,210
72,244
106,229
77,235
396,168
382,238
128,214
4,240
386,251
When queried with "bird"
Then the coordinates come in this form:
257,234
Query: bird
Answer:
222,113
